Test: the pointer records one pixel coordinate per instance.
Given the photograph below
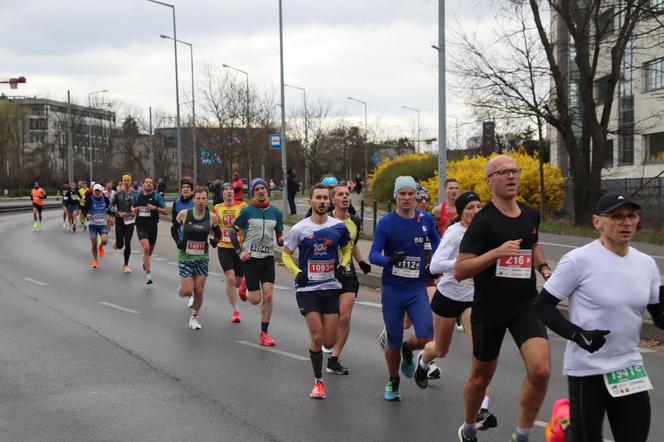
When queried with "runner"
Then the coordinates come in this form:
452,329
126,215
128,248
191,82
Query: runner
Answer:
97,207
230,262
349,285
259,223
238,187
609,285
318,239
184,201
147,206
83,192
500,250
452,300
445,211
109,192
193,257
125,219
400,235
37,195
62,194
72,198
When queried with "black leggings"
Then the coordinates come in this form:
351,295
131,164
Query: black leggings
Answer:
629,416
123,234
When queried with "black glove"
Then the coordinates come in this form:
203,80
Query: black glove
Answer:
661,295
342,272
590,340
180,244
302,279
214,242
396,258
365,266
428,274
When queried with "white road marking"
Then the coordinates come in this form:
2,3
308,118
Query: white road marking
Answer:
370,304
2,230
159,259
34,281
124,309
281,287
215,274
5,256
273,350
172,263
646,350
544,424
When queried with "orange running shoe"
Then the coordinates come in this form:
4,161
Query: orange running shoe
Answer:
236,317
101,251
242,291
266,340
95,263
318,391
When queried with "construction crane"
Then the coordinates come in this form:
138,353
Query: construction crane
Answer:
13,82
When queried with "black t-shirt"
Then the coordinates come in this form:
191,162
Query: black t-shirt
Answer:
141,202
499,296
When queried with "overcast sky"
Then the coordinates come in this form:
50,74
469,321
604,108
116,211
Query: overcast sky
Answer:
375,50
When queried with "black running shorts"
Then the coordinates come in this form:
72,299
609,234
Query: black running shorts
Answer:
147,232
325,302
258,271
488,334
39,207
446,307
350,285
230,260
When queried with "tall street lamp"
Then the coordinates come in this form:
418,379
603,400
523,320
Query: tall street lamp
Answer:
442,103
246,108
306,134
366,161
193,105
418,125
177,88
90,125
284,154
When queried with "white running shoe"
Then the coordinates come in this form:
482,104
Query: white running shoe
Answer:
194,324
64,225
328,350
148,278
190,301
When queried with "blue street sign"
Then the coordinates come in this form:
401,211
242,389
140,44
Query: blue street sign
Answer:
275,141
375,158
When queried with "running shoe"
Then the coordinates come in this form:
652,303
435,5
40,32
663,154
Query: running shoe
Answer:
236,317
485,420
115,245
382,339
336,368
266,340
408,363
463,437
73,228
434,371
459,326
190,301
148,278
517,438
101,251
420,375
242,291
126,269
64,225
318,391
194,324
391,394
327,350
95,263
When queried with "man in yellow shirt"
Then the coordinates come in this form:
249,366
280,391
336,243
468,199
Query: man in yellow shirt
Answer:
229,258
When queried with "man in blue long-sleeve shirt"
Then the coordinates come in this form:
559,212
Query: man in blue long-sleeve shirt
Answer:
399,248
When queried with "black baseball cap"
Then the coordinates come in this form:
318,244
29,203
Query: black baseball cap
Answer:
612,200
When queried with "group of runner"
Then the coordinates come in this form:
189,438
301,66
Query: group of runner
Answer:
481,274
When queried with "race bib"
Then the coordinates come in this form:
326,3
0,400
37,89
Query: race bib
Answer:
519,266
195,248
260,250
129,219
225,236
427,245
320,270
408,268
144,211
99,220
627,381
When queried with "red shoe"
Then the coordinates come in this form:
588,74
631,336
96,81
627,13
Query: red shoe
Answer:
266,340
101,251
95,263
242,291
319,390
236,317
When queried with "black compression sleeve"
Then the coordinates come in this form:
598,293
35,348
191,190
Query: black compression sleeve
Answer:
545,307
174,231
657,314
217,232
235,241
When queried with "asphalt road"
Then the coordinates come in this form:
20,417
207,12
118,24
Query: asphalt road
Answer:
95,355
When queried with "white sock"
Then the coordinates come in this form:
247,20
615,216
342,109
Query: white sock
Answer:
234,308
485,403
522,431
423,364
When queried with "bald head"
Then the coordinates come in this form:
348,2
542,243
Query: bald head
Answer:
499,162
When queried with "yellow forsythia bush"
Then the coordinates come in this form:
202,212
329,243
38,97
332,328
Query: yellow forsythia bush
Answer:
471,176
419,166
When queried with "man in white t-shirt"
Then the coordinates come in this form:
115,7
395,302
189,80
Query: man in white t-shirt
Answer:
608,285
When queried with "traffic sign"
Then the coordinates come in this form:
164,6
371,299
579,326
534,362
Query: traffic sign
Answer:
375,158
275,141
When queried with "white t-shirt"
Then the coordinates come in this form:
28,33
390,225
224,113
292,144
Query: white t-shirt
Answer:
443,261
606,292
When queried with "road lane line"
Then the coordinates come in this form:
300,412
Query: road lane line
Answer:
124,309
172,263
273,350
215,274
159,259
544,424
34,281
370,304
281,287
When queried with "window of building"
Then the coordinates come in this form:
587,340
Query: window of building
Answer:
601,89
605,24
657,5
654,147
654,71
608,154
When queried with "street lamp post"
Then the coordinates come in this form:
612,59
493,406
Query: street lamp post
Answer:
418,125
193,105
306,134
366,161
246,108
442,98
284,154
90,125
177,88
